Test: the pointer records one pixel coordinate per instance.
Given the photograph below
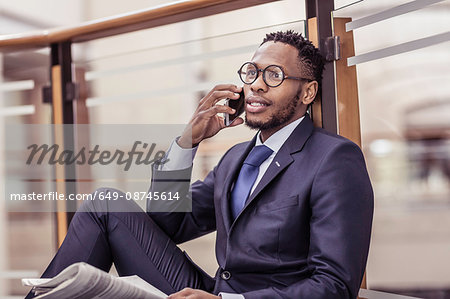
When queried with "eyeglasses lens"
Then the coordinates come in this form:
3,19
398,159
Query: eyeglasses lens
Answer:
273,75
248,73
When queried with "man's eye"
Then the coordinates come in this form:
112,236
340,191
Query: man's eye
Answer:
274,75
251,73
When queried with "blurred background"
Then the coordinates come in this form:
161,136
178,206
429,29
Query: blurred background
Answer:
157,76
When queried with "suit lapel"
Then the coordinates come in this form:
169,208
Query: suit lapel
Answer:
283,158
234,168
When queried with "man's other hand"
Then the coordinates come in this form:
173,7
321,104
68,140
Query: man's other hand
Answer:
205,122
189,293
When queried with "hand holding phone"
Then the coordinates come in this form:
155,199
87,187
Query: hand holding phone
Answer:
238,105
206,121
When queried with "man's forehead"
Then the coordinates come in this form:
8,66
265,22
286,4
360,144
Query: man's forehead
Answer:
278,53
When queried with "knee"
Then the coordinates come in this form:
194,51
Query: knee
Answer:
98,201
108,200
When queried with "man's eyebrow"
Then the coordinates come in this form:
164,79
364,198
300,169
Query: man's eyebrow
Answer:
266,65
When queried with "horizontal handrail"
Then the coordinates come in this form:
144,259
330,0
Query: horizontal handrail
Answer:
142,19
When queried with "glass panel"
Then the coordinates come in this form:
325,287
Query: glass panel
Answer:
161,85
390,13
151,76
22,77
158,76
429,21
404,109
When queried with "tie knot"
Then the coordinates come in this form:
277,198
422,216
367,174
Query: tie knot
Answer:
258,155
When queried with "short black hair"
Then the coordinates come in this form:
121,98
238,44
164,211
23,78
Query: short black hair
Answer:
309,56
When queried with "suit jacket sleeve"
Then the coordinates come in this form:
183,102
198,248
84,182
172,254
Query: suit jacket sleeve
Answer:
179,226
341,203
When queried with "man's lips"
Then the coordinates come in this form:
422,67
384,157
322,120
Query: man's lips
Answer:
256,104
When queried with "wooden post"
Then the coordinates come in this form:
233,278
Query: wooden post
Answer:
347,85
61,217
62,105
84,175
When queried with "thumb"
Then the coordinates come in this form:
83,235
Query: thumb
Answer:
236,122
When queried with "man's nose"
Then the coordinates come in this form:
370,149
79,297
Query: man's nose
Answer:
259,84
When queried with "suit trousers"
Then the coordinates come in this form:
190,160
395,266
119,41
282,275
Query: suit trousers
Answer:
103,232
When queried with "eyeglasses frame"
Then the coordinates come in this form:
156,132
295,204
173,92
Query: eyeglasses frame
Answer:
263,71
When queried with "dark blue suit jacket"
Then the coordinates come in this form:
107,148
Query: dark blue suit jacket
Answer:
305,230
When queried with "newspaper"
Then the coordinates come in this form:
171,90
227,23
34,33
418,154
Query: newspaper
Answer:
82,280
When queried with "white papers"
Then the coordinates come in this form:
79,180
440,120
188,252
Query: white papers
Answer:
82,280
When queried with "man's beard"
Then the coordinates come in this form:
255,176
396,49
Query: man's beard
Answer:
277,119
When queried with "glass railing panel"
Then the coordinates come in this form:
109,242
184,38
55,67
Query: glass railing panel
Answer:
163,84
404,108
22,77
157,76
390,25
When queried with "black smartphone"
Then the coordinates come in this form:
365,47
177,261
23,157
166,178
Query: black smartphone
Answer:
238,105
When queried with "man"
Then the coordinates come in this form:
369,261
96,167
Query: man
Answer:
292,207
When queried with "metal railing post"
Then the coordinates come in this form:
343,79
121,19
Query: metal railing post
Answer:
318,14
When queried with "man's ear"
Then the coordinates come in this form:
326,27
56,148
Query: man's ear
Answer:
309,92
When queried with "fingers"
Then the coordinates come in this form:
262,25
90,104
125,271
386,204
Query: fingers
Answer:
192,294
181,294
230,87
205,122
216,96
220,92
217,109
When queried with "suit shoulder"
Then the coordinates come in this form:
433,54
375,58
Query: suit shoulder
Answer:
327,141
336,153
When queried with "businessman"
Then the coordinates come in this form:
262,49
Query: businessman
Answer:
292,207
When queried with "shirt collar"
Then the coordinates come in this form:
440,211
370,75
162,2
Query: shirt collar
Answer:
276,141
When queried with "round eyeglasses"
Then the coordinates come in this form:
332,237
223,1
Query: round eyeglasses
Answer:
273,75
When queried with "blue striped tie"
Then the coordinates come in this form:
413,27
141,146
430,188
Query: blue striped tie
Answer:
247,177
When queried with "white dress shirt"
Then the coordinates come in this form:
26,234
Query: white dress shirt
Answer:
181,158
